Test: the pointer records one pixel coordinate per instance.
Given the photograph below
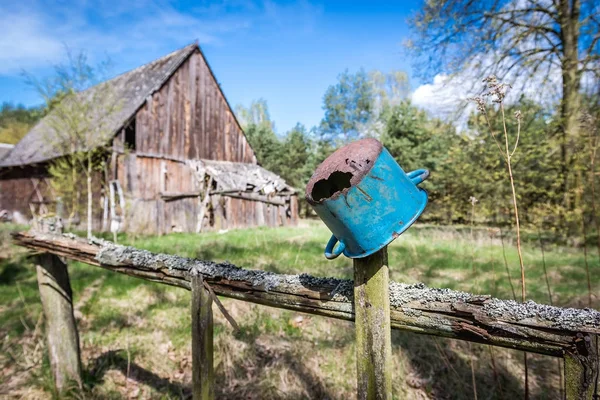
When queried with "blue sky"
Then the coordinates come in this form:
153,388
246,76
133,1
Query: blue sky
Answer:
285,52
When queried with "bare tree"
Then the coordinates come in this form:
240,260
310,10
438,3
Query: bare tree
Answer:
520,41
79,126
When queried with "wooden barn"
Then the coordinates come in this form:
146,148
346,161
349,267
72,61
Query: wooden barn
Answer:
177,158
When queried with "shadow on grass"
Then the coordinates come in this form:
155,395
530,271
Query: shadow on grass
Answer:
263,356
445,369
114,359
12,270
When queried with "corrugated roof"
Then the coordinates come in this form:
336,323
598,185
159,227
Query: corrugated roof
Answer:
130,89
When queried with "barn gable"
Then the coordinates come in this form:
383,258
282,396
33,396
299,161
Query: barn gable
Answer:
189,118
145,87
179,160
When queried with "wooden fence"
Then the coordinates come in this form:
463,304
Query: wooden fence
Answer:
561,332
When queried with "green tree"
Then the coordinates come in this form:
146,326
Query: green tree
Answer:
256,114
536,167
79,122
347,105
260,131
388,89
295,166
16,121
358,104
519,41
418,141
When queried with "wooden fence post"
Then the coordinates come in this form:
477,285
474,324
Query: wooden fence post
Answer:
581,368
57,304
373,330
203,376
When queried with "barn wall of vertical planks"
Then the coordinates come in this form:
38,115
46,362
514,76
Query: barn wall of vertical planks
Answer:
173,111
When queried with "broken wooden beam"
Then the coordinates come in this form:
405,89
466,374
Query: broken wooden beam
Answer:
170,196
416,308
275,200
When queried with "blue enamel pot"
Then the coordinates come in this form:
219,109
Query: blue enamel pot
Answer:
365,198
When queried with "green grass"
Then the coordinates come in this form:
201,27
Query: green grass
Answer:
130,327
438,256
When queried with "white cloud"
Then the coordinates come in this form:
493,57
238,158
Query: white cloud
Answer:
446,97
35,33
25,42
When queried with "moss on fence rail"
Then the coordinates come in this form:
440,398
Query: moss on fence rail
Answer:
401,294
442,312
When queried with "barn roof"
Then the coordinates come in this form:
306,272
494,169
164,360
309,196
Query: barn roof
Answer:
237,176
5,148
131,89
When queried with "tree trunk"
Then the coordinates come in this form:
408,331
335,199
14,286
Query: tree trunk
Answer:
89,197
571,79
74,197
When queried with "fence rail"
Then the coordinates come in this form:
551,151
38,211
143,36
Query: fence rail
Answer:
560,332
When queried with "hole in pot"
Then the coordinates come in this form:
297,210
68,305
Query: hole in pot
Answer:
326,188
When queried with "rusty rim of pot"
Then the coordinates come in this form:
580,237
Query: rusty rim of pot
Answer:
342,170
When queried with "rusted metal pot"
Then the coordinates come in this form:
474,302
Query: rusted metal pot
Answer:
365,198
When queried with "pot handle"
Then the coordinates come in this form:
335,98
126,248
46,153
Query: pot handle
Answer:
417,176
330,254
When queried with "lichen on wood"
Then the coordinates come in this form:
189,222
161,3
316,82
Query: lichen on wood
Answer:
417,308
373,331
203,375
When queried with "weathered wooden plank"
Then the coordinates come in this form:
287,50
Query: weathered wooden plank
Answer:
373,330
203,96
193,96
57,304
276,200
187,114
582,368
416,308
61,331
294,208
203,376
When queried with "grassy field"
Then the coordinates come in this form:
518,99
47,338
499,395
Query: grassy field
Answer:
135,335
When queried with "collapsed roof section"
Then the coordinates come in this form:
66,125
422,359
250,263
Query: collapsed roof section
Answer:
241,177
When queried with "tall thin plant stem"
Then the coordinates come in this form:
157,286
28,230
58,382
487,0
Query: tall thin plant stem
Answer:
512,288
558,360
516,209
493,264
473,201
494,369
473,372
514,196
498,91
89,194
544,266
585,258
